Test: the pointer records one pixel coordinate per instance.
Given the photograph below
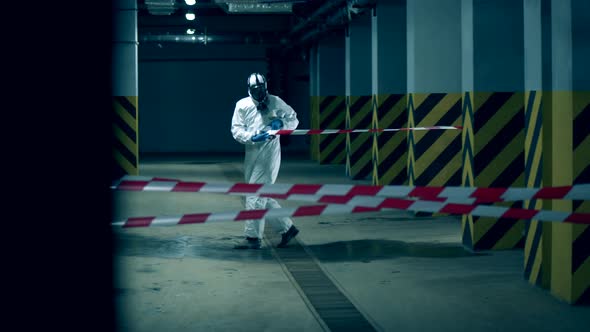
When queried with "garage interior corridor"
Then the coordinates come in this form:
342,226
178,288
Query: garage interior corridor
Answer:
374,271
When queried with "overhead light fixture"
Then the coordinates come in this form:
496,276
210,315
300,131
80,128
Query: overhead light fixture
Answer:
190,2
190,31
190,16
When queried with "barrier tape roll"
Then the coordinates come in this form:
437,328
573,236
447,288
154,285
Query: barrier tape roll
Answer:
467,195
358,205
350,131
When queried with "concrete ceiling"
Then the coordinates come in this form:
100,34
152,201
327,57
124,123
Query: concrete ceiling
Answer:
164,20
215,16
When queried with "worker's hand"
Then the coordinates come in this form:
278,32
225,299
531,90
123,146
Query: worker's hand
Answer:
276,124
260,137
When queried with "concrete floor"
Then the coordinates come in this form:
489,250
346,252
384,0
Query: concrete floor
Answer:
403,273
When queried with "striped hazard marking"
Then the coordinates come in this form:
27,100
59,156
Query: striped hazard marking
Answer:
390,150
125,131
581,233
534,268
495,158
332,114
359,115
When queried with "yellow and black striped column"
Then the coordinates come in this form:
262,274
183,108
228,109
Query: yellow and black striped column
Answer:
390,149
581,233
535,272
347,126
125,158
125,140
434,157
467,148
332,114
359,115
567,160
493,156
314,109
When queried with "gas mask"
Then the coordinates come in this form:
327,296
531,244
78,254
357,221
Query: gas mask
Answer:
257,87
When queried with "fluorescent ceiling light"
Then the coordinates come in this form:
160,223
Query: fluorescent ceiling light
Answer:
190,16
190,2
190,31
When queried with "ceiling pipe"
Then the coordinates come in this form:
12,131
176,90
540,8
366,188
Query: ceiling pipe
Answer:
211,38
336,13
338,18
325,8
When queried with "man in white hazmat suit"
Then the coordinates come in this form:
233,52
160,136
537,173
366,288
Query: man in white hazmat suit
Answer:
253,117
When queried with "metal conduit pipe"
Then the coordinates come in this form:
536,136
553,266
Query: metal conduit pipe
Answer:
341,16
363,4
317,14
212,38
338,17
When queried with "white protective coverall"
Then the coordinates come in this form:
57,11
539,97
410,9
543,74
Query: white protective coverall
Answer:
262,159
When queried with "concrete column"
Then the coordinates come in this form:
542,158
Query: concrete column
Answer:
314,102
434,46
434,85
331,90
567,145
125,88
493,117
388,45
536,259
330,65
313,71
358,56
533,41
358,95
580,234
389,87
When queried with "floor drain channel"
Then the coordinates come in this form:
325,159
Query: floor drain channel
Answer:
335,310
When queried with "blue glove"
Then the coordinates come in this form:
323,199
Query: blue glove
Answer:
276,124
260,137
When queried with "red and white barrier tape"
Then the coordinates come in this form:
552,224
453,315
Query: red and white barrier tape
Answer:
340,193
349,131
197,218
367,204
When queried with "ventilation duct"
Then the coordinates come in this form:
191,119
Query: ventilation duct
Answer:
259,8
333,18
160,7
324,9
256,6
205,39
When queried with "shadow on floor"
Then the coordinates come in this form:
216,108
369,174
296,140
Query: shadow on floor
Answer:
217,248
221,248
368,250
